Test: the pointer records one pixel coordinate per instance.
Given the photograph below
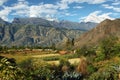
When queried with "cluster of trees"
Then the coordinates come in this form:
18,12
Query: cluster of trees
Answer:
101,58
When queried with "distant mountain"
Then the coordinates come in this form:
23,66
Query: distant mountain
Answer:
61,24
34,31
74,25
96,35
31,21
38,31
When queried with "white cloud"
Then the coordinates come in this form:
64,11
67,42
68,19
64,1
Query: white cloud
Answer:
97,17
21,8
96,1
51,18
116,2
2,2
77,7
117,9
42,9
64,4
82,1
69,14
4,13
50,6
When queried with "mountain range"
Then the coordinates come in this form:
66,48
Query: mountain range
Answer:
40,32
106,28
57,24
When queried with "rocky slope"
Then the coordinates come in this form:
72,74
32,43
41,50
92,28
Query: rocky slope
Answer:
104,29
38,31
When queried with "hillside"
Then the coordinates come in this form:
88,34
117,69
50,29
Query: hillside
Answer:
104,29
38,31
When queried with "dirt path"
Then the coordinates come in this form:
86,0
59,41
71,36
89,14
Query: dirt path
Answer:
72,61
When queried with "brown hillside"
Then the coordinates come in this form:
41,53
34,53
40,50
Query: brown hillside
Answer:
104,29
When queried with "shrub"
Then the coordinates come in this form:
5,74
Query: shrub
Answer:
91,69
86,51
99,54
82,67
64,62
105,73
36,69
108,45
9,70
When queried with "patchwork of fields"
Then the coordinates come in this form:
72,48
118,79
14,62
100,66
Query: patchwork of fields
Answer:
46,56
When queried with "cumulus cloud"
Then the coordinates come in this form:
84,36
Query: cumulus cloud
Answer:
21,8
42,9
2,2
64,4
4,13
97,17
117,9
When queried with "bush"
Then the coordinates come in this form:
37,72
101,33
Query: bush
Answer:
108,45
86,51
36,69
82,66
99,54
64,62
91,69
9,70
107,73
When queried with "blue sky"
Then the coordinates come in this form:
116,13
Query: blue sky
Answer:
72,10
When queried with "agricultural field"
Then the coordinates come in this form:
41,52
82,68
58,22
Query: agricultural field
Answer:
48,56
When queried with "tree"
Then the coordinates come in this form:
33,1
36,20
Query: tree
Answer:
69,43
85,51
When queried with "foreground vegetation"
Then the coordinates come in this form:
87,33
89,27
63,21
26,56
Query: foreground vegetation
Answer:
101,62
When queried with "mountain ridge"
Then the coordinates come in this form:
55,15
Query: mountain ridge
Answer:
61,24
36,32
105,29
